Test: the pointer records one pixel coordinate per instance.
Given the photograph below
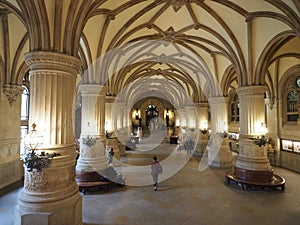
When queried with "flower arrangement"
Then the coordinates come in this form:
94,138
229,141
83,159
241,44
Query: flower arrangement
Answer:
33,160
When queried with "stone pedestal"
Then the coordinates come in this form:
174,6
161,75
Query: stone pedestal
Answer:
50,196
219,154
201,145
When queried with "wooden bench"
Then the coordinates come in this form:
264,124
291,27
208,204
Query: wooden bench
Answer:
85,186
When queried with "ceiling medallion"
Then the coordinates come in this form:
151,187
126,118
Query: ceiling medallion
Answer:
177,4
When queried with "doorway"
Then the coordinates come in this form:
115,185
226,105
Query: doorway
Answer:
151,113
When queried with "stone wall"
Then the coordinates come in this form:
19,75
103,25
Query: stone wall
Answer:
290,161
11,167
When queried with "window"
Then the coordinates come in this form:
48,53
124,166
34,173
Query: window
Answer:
292,101
25,104
234,108
24,111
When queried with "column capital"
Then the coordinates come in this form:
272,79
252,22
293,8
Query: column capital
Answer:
201,104
217,100
110,99
251,90
92,89
12,92
44,60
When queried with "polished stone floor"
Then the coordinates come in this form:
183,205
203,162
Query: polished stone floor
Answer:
185,196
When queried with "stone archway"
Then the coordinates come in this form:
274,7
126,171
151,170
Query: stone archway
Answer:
159,106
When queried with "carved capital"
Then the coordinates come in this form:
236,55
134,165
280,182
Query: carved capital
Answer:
270,102
251,90
52,61
12,92
92,89
217,100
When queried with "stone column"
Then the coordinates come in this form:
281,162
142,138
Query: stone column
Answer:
109,116
177,122
120,115
183,123
51,195
252,161
112,141
92,159
273,127
202,109
219,154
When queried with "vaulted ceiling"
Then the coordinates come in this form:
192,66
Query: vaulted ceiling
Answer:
179,50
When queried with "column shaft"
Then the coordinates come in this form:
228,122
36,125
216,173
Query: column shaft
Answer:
92,159
219,154
52,192
252,157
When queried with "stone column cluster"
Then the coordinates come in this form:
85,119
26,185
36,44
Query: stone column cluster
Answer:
52,192
92,158
251,157
219,154
202,109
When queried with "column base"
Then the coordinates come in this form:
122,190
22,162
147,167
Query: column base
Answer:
200,148
252,175
87,176
219,154
50,213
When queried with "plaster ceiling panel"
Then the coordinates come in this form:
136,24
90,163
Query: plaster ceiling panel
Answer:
177,20
293,46
12,2
264,29
16,34
93,31
256,5
235,22
285,64
113,4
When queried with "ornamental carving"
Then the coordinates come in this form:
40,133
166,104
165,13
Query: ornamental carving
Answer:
36,181
9,150
250,150
270,102
177,4
169,34
12,92
49,180
52,61
251,90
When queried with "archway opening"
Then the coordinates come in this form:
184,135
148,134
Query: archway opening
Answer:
152,114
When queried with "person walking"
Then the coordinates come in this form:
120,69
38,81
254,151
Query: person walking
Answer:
156,169
110,156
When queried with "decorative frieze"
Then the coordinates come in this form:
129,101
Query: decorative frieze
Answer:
8,150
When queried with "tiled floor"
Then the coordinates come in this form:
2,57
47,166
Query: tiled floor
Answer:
188,197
